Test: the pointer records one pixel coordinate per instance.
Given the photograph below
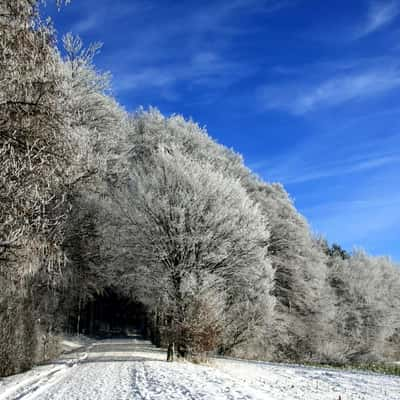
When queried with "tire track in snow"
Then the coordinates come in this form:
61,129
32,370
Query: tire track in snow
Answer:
30,388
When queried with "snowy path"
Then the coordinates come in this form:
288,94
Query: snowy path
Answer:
129,369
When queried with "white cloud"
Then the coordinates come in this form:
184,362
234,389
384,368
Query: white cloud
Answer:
300,98
149,77
380,14
100,14
207,69
324,156
172,48
87,24
354,220
339,169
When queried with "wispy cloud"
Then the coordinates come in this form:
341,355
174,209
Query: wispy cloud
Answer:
95,16
363,216
207,69
380,14
172,48
217,12
324,156
338,168
86,24
355,84
353,21
345,185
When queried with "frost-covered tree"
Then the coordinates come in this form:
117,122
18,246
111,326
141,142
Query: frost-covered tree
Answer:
299,272
97,124
33,154
366,308
96,131
185,221
152,130
32,144
55,137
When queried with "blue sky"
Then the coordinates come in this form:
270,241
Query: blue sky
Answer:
307,90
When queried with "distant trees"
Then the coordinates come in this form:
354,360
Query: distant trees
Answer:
365,300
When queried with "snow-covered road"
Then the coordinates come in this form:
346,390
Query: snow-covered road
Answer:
133,369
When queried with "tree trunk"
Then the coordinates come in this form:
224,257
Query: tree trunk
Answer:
78,322
171,352
91,322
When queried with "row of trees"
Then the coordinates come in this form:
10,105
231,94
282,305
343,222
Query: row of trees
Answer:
33,156
92,198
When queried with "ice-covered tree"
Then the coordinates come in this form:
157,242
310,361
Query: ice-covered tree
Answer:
299,272
185,221
366,303
33,154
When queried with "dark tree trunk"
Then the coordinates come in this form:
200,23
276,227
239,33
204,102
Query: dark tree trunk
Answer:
171,352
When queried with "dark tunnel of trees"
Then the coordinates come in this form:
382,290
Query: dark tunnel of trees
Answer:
109,315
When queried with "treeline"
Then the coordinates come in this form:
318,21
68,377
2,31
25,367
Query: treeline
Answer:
92,197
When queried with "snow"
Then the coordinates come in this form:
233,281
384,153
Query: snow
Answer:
280,381
70,343
128,369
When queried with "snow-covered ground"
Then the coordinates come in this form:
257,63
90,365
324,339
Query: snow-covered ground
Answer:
281,381
133,369
73,343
